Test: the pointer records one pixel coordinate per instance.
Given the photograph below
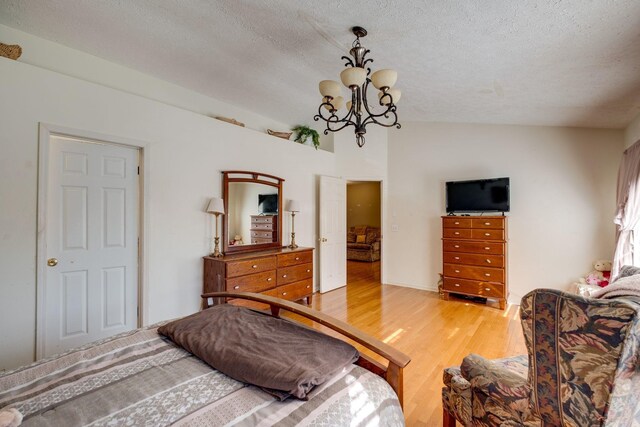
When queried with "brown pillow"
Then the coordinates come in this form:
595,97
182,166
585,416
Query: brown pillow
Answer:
361,238
372,235
231,339
351,237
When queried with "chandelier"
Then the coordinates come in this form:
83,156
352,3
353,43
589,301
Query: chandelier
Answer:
356,77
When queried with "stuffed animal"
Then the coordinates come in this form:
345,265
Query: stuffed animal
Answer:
600,276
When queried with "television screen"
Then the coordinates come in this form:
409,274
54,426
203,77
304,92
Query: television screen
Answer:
268,203
483,195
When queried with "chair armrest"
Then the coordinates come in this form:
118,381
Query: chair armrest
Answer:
375,246
503,380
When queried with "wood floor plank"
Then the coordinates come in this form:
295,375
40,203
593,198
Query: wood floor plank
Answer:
435,333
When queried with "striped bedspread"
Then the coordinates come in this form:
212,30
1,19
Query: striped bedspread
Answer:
141,379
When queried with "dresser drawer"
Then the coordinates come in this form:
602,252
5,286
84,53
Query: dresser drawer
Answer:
473,247
293,291
262,234
294,273
474,287
472,272
455,222
262,219
457,233
253,282
474,259
487,234
261,226
497,223
241,268
295,258
259,240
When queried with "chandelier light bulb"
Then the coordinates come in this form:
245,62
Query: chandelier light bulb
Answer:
384,78
353,77
329,88
336,103
385,99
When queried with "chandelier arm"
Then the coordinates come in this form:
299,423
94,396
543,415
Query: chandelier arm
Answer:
349,61
333,118
385,114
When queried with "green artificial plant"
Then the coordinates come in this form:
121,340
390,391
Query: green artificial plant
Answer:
304,132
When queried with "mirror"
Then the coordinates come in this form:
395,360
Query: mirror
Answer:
253,206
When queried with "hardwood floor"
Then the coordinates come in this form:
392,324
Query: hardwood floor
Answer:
433,332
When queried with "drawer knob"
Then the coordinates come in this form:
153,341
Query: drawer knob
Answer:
456,223
456,257
456,233
487,234
284,293
269,279
487,248
308,271
254,266
487,289
236,287
297,258
457,271
456,246
456,284
488,261
487,274
487,223
284,275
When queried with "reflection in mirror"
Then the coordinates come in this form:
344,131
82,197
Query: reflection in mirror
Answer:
252,213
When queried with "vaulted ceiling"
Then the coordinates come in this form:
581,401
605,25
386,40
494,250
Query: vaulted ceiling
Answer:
561,62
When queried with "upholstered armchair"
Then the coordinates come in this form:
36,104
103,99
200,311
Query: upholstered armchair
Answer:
582,368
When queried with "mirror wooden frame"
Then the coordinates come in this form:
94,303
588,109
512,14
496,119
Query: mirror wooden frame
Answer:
258,178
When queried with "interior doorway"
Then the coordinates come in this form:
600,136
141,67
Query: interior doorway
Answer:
364,231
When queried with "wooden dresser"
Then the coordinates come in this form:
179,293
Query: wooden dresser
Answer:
475,256
264,228
284,273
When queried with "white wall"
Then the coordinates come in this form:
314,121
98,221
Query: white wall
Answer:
185,154
56,57
562,197
632,133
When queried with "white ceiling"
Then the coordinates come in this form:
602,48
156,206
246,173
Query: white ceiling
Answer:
560,62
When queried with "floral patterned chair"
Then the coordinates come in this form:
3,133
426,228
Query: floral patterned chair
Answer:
582,369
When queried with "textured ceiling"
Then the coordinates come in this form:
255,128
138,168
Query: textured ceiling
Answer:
554,62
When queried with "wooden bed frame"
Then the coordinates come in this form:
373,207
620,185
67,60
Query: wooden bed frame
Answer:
392,373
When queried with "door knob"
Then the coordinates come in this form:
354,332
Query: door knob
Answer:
52,262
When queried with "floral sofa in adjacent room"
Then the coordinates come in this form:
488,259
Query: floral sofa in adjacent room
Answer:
582,368
363,243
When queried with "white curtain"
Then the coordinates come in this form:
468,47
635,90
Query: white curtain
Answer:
627,216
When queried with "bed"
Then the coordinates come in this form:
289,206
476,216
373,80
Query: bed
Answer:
142,378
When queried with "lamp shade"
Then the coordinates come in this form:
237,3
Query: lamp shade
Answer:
216,206
384,78
293,206
352,77
385,99
329,88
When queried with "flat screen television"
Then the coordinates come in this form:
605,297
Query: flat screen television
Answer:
481,195
268,204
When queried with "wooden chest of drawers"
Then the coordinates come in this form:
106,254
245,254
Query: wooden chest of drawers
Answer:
283,273
264,228
475,256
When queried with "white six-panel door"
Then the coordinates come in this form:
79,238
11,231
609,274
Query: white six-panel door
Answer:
333,233
91,277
